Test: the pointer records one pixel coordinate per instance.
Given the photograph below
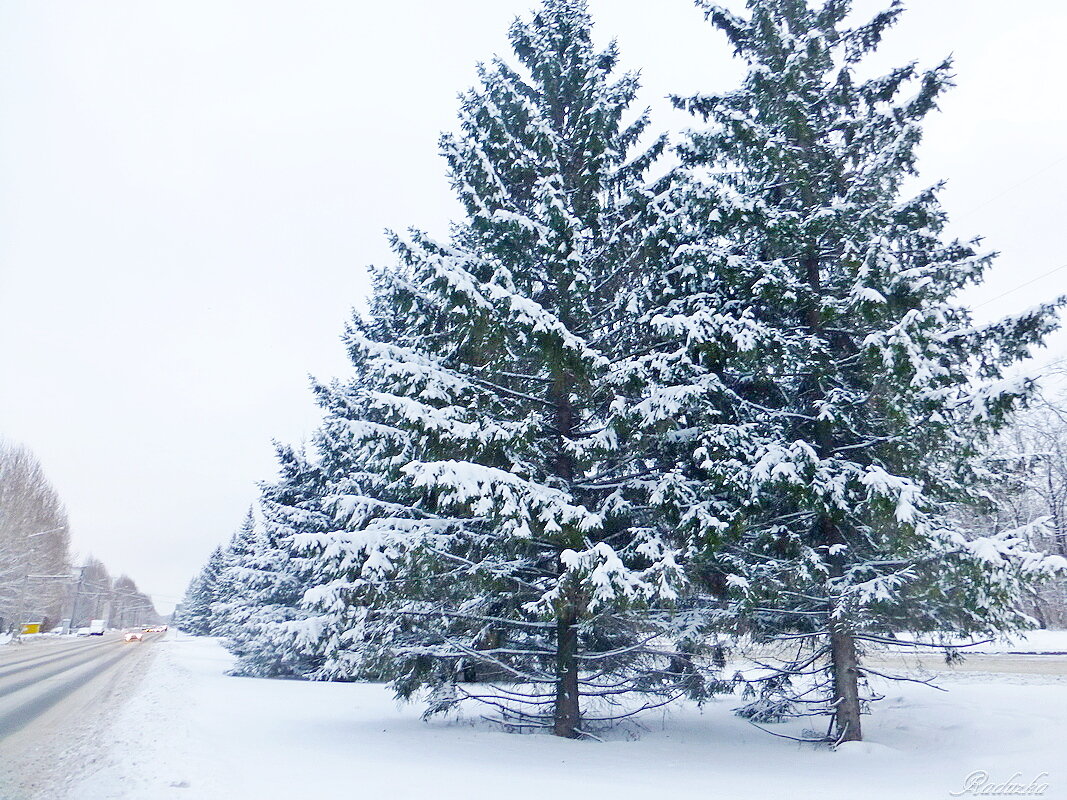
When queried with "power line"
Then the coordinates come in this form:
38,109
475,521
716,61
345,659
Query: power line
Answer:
1045,168
1022,285
1014,186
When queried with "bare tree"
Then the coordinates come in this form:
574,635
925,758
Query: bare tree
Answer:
92,597
34,541
131,607
1034,451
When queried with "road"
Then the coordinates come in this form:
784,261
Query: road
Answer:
55,694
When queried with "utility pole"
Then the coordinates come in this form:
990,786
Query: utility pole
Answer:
20,608
74,602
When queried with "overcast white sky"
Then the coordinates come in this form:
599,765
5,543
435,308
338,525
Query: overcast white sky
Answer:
189,192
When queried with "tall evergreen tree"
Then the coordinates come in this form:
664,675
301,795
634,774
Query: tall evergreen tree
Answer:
822,303
365,509
196,617
266,625
494,524
231,594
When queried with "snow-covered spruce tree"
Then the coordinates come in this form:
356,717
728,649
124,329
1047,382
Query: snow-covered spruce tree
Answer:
230,591
196,616
262,618
496,543
864,392
374,515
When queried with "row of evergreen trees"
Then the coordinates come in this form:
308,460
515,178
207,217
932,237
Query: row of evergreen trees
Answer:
645,399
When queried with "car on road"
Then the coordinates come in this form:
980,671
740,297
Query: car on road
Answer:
83,632
134,636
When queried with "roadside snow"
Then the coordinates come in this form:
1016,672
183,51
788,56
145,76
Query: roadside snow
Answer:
1030,642
190,732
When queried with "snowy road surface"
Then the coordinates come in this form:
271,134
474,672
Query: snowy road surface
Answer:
193,733
55,695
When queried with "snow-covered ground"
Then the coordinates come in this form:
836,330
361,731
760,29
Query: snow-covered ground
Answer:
1030,642
191,732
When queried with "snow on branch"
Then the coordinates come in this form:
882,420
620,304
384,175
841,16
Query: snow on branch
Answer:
903,491
520,505
607,581
1011,548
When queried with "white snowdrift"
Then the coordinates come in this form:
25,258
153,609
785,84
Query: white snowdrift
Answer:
190,732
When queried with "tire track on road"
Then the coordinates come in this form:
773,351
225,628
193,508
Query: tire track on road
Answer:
51,731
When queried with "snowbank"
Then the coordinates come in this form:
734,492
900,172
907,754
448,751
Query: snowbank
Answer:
193,733
1030,642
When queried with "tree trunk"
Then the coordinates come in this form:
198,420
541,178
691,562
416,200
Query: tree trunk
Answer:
1039,609
567,712
845,670
844,661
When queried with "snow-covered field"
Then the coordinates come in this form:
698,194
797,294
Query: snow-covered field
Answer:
191,732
